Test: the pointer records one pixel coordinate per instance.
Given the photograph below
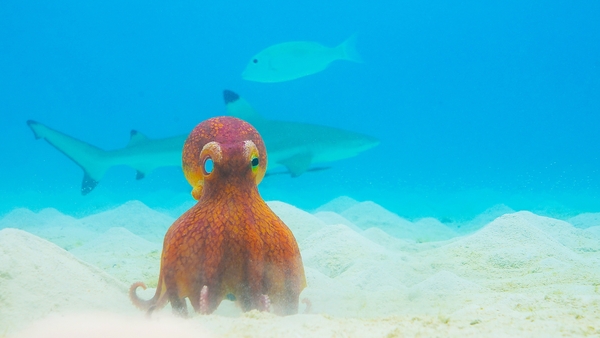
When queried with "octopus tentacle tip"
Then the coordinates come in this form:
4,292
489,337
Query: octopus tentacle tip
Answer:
135,300
136,285
265,303
308,305
204,300
150,310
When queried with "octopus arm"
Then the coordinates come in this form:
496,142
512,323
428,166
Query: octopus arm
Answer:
284,275
157,302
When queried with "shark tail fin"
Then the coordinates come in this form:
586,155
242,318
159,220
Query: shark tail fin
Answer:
348,50
92,160
240,108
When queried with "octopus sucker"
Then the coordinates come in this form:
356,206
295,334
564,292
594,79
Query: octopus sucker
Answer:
230,243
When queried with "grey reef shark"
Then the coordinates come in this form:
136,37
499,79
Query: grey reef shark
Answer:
294,146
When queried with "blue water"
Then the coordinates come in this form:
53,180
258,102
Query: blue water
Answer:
475,103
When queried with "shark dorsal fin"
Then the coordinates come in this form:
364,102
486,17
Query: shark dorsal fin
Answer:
240,108
136,138
298,163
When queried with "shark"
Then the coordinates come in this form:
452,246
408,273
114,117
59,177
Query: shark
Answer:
294,147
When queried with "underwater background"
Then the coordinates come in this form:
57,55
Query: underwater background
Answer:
475,104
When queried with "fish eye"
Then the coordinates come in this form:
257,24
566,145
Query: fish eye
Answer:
208,165
255,162
255,60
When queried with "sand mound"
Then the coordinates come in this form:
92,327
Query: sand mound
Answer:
178,210
433,230
388,241
585,220
519,275
328,295
593,231
332,218
27,219
62,230
516,252
123,255
300,222
134,216
338,205
484,218
70,233
38,278
369,214
333,249
576,239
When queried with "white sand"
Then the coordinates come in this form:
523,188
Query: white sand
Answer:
368,214
133,216
586,220
38,278
370,272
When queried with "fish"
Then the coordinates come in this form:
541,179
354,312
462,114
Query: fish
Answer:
292,146
292,60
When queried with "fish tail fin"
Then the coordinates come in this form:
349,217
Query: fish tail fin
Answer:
93,160
348,50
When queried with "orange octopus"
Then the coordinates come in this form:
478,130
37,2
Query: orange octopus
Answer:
230,242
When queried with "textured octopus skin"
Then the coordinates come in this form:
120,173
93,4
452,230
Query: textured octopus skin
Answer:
230,241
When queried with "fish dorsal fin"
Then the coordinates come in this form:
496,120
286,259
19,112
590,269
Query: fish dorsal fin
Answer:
240,108
136,138
297,164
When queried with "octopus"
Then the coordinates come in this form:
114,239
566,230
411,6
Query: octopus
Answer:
230,244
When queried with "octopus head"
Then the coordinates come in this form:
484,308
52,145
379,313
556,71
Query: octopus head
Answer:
221,148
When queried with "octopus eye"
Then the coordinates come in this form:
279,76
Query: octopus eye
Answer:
254,162
208,165
255,60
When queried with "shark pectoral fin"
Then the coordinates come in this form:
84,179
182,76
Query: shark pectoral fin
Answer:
297,164
88,183
33,125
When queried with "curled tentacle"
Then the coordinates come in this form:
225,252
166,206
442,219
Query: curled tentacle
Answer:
308,305
156,302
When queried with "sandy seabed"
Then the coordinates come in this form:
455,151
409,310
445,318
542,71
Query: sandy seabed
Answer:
370,273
